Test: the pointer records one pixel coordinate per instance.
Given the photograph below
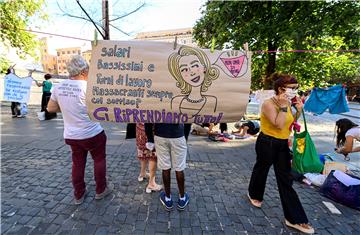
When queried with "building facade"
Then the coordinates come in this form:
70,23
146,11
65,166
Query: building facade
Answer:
184,36
48,61
63,56
87,56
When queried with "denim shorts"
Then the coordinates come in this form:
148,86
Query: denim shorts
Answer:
332,98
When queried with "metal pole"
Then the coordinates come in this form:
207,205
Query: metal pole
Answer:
105,15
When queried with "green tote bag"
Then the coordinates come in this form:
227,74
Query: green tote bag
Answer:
306,159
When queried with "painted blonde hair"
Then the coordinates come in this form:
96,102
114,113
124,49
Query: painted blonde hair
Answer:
211,73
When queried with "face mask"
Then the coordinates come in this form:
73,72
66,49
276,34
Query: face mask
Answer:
290,93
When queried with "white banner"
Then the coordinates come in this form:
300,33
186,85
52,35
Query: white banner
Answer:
17,89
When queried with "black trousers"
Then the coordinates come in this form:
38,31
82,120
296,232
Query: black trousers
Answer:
272,151
15,108
44,102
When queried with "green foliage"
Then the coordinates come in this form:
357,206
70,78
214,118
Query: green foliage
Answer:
4,64
285,25
15,15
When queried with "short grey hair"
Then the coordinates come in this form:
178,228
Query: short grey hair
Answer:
77,65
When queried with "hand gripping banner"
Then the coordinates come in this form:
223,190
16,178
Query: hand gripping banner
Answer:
144,81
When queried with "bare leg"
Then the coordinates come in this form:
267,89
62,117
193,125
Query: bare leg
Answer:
166,181
180,178
152,170
143,168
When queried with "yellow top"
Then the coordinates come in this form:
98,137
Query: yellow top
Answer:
268,128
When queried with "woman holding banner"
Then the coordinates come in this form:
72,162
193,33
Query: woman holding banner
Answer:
194,74
272,149
46,88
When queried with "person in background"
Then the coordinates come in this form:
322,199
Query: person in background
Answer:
171,149
15,106
146,157
80,133
247,128
203,129
46,88
272,149
346,132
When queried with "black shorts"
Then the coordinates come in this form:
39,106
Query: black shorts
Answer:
254,128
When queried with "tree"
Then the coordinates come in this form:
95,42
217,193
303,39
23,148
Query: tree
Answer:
14,19
296,25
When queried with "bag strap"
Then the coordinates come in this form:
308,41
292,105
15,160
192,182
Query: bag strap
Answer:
303,114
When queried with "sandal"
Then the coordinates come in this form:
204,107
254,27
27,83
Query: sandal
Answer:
155,188
305,228
254,202
141,178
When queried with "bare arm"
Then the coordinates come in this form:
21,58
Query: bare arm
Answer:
348,146
277,118
53,107
39,84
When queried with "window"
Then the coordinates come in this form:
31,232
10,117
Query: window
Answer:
68,52
73,52
58,53
63,52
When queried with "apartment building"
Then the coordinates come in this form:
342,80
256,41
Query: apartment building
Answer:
48,61
184,36
63,56
87,56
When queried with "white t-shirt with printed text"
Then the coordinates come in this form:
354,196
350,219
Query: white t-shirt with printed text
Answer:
70,95
354,132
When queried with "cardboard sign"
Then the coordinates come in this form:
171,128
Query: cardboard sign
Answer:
17,89
144,81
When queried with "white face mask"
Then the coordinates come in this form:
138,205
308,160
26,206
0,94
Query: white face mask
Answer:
290,93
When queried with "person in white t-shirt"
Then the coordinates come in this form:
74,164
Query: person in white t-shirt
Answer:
82,134
346,133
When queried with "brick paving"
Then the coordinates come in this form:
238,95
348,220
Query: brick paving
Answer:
37,197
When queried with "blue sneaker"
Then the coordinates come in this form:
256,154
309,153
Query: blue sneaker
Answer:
167,204
183,203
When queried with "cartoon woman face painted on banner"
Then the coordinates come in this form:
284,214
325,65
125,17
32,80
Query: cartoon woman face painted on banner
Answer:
194,74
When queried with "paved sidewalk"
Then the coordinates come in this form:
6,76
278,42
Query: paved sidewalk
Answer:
37,197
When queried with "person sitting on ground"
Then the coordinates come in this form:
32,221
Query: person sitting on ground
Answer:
346,133
203,129
247,128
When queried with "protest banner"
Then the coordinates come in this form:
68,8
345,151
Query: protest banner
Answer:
17,89
146,81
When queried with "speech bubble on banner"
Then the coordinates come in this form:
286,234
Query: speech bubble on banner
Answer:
146,81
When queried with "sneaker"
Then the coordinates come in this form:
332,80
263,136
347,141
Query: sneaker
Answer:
183,203
80,200
14,116
109,188
20,116
167,204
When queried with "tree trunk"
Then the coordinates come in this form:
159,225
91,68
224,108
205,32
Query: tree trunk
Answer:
270,68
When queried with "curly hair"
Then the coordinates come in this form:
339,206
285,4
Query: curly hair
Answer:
211,72
280,80
342,126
